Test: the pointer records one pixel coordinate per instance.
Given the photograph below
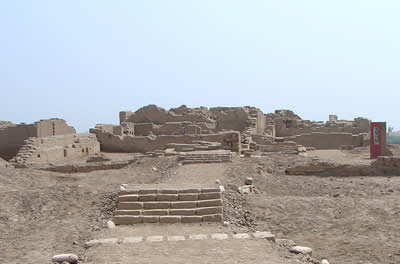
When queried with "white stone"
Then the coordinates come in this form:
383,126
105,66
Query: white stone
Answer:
198,237
176,238
219,236
247,189
226,223
108,240
324,261
222,188
155,238
264,235
110,224
70,258
241,236
218,182
122,188
132,239
301,250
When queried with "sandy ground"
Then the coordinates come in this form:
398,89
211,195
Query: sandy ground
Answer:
347,220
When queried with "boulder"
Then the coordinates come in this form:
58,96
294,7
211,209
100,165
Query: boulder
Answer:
70,258
301,250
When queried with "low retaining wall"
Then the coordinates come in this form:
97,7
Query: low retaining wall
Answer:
131,144
321,140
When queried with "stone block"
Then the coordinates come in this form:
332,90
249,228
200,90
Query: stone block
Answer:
156,205
167,197
176,238
208,190
189,191
132,240
155,238
148,191
156,212
151,219
301,250
198,237
126,192
170,219
219,236
127,212
182,205
264,235
191,219
130,205
182,211
127,219
213,218
209,203
168,191
129,198
188,197
210,196
241,236
147,197
209,210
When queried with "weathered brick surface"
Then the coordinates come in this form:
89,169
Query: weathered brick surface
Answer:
150,219
208,190
125,192
147,197
210,196
182,211
167,197
127,219
128,212
191,219
209,203
170,219
188,197
184,204
130,205
148,191
209,210
168,191
156,205
189,191
129,198
156,212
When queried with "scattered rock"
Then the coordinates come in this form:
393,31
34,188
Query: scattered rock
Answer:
110,224
249,181
301,250
324,261
69,258
285,242
218,182
226,223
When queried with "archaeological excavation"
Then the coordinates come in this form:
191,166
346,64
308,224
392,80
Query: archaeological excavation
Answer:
219,179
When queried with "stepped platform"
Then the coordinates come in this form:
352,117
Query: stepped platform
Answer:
205,157
168,205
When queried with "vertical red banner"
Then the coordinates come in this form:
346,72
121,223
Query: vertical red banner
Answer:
377,135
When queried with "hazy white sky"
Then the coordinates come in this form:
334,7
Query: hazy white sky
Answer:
84,61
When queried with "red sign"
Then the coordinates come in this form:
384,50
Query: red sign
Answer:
378,130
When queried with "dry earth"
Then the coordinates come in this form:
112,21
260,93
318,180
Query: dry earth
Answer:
348,220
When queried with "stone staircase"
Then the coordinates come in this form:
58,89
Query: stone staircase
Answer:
205,157
169,206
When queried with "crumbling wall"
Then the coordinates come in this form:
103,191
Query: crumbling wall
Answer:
159,116
113,143
231,118
57,148
321,140
12,138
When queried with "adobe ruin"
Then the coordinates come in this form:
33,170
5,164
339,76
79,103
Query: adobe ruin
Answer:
239,129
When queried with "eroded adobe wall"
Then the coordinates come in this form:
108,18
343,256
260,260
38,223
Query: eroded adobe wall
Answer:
113,143
12,138
57,148
321,140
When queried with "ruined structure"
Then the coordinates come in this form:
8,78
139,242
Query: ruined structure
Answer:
12,137
239,129
56,148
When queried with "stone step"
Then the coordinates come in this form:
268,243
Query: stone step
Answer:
168,205
204,161
170,197
170,191
137,219
192,211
